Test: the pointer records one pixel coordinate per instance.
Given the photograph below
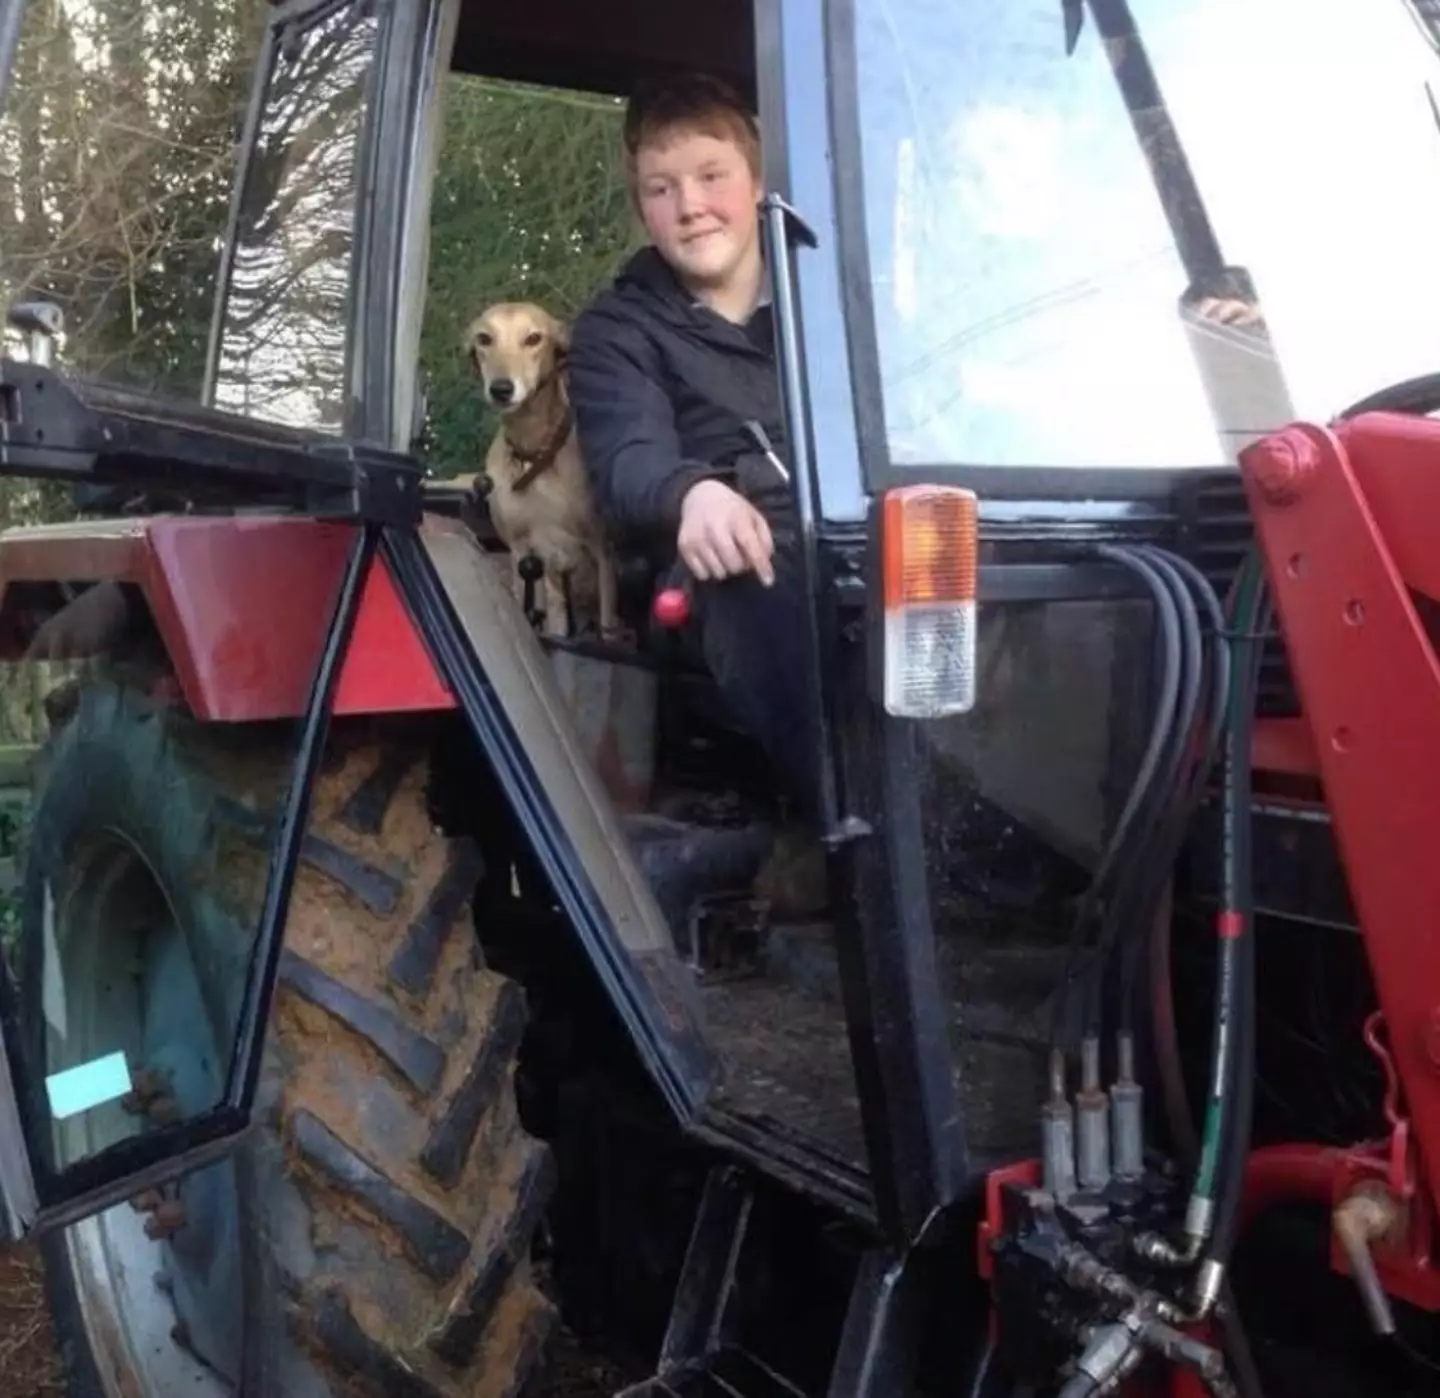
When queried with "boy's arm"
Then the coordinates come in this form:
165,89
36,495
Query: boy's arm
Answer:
627,428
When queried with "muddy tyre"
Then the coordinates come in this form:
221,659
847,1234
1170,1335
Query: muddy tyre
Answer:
373,1236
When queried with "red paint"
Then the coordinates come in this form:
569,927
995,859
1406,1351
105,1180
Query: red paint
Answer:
1290,1173
1024,1174
243,604
1344,550
1229,926
1284,746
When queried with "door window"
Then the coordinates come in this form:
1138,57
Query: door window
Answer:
282,350
1027,276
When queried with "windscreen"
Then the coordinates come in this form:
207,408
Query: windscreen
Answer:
1027,215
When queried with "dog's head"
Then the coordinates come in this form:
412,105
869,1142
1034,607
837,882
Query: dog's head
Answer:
515,347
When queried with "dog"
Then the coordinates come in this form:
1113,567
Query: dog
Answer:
539,495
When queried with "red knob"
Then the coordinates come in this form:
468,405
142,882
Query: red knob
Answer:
671,608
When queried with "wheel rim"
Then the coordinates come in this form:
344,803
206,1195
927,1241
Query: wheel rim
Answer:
162,1315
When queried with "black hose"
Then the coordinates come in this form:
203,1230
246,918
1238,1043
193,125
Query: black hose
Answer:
1168,683
1199,750
1131,912
1238,948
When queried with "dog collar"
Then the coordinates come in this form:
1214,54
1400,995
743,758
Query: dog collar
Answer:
536,462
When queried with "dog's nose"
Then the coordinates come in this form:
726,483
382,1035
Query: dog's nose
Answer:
502,390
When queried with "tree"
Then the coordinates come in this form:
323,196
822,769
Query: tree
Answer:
530,204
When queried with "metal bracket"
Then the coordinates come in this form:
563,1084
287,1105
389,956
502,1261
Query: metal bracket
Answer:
44,427
386,489
795,224
47,429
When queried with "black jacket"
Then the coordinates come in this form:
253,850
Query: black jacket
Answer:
662,389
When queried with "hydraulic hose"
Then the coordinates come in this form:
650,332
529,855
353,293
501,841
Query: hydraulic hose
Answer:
1168,685
1129,915
1200,750
1167,1043
1212,1216
1233,1118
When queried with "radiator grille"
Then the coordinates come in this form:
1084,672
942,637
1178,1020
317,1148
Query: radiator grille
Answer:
1214,532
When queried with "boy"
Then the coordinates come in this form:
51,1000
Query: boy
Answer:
665,369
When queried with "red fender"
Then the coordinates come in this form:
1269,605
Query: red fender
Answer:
242,604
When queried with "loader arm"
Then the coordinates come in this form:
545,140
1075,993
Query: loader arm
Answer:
1345,518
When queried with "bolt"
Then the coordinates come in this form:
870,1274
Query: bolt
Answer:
1282,464
167,1220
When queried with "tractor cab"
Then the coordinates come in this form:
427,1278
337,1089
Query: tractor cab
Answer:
381,960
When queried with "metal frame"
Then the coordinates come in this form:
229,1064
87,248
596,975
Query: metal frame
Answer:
12,22
893,1009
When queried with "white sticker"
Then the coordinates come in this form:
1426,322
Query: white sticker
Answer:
90,1085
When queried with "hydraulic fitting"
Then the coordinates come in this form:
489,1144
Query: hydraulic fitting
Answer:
1093,1120
1127,1119
1057,1135
1364,1217
1112,1352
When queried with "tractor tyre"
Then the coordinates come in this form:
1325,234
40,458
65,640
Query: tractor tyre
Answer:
372,1235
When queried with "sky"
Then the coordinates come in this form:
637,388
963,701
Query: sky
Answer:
1025,282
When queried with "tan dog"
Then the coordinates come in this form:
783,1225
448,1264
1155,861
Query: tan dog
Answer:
540,500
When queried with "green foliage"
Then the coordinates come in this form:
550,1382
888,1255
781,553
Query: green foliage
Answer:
530,204
116,164
118,152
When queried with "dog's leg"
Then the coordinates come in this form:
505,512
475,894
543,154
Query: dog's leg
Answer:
608,588
557,613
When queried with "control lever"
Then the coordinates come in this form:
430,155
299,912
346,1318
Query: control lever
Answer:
673,604
531,569
41,322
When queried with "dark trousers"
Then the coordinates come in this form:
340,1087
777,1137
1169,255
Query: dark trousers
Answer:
753,640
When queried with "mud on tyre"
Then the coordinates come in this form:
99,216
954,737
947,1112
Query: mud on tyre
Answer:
373,1235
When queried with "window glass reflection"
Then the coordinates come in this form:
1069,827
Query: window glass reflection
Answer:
1026,283
284,333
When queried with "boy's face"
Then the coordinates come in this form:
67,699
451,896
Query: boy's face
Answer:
699,202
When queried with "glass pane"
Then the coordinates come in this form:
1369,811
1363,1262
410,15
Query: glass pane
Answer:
140,864
118,151
284,335
1027,286
147,809
1016,798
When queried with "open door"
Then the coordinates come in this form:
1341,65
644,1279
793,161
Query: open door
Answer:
105,959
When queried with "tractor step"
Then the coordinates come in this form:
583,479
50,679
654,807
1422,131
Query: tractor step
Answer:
728,1373
704,1351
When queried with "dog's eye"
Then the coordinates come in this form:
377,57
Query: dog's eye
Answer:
533,339
484,339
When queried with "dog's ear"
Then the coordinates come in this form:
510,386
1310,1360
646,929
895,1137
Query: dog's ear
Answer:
470,347
560,333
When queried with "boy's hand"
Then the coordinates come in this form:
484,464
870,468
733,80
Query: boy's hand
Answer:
723,535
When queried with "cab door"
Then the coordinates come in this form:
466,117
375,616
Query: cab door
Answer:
84,1120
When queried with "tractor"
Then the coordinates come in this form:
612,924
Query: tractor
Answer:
390,993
